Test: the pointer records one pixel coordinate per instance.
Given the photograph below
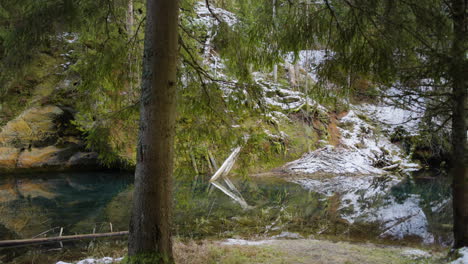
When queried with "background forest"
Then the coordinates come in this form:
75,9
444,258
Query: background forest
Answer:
348,116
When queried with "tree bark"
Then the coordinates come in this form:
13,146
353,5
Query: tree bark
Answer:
150,238
460,84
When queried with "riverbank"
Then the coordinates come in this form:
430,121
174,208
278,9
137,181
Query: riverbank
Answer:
236,251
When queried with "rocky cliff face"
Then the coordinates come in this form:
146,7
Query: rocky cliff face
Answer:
43,138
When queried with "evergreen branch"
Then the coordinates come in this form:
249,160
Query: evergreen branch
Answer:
200,73
190,35
135,35
441,126
211,11
332,12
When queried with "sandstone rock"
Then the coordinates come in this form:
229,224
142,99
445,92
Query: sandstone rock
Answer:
35,126
50,156
8,157
43,138
84,159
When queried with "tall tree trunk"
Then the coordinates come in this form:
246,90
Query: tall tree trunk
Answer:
460,84
150,225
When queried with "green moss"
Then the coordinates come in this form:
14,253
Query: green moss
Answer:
147,258
42,66
31,86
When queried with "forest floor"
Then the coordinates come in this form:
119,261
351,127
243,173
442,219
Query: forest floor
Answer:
302,251
276,251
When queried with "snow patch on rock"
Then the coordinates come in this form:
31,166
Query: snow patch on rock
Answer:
207,18
463,259
333,160
391,116
362,151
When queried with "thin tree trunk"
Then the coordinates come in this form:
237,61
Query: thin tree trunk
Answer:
130,19
460,84
150,238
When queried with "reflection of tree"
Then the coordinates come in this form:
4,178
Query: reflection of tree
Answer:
117,210
222,172
24,218
16,189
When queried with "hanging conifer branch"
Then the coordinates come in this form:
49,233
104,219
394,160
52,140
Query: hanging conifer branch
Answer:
211,11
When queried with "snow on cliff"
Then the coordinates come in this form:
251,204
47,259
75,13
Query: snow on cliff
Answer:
361,151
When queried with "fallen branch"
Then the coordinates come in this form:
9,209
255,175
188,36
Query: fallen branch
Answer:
227,165
45,240
222,172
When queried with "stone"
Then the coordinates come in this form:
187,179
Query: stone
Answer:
44,138
8,157
84,159
50,156
34,127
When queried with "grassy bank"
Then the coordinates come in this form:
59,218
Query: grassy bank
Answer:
267,251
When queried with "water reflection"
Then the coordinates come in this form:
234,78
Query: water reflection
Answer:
31,204
87,202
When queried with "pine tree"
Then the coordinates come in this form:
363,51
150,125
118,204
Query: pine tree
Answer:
150,238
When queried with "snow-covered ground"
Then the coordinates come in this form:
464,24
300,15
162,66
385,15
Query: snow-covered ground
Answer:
105,260
243,242
416,254
463,259
309,61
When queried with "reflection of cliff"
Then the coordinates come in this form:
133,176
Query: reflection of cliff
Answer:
401,209
23,219
5,233
23,207
76,202
15,189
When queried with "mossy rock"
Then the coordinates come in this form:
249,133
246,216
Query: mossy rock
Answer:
290,99
35,127
8,157
50,156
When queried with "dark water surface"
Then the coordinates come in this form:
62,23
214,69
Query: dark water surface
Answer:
33,203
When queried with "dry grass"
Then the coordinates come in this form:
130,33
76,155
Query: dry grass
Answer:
212,252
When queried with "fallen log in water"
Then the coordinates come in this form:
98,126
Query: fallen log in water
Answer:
227,165
222,173
45,240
